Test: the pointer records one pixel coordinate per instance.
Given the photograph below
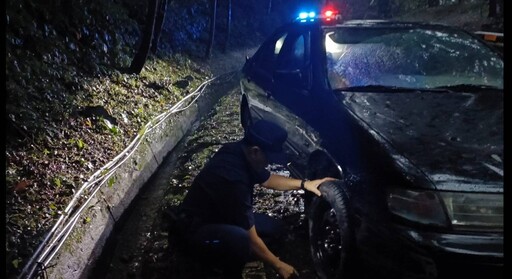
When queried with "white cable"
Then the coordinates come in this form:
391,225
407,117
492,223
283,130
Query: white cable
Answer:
96,180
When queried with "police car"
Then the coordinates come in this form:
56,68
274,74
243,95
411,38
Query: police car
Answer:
409,117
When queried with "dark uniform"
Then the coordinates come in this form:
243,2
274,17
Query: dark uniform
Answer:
222,193
218,210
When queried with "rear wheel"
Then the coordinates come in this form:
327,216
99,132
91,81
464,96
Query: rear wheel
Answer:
330,232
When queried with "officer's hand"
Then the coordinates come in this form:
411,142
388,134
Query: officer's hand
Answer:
286,271
312,185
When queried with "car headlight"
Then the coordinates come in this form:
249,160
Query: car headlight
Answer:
464,211
475,211
422,207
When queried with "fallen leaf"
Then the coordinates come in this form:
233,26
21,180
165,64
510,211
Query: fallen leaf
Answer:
22,185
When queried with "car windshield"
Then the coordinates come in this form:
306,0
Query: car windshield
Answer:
409,58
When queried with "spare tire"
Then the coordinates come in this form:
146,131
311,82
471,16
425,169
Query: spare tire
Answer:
330,231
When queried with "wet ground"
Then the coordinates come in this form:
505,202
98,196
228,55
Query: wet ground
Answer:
139,247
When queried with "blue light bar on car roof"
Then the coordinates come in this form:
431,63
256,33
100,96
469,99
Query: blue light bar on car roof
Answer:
306,16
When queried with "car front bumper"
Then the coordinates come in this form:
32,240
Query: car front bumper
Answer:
402,252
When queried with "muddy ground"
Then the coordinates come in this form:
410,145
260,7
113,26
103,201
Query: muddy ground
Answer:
139,247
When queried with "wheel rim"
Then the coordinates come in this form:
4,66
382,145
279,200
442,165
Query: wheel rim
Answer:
327,241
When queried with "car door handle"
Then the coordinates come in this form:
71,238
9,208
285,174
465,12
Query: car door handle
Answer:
268,94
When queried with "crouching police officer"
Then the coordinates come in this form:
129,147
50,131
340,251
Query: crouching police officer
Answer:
217,212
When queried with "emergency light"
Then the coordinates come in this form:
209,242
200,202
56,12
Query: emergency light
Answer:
328,15
307,16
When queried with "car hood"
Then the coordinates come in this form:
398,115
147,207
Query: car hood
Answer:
455,140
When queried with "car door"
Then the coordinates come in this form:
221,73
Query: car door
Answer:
278,84
292,78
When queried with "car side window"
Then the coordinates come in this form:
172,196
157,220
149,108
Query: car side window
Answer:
265,60
268,56
294,57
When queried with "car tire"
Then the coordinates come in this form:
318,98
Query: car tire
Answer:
319,166
330,232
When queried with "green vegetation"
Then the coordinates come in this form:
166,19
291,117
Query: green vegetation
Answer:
63,57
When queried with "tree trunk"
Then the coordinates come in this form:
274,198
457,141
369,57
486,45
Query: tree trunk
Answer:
495,8
433,3
142,53
492,8
228,27
160,18
213,15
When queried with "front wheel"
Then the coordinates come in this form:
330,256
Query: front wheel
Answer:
330,232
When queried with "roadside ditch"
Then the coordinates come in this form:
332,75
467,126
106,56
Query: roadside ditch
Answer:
139,248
